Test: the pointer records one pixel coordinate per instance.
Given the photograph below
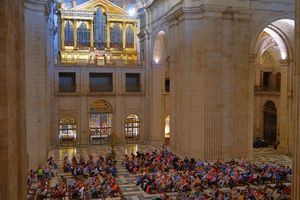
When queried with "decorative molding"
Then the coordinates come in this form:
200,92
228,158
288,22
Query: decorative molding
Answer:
77,14
209,11
36,5
101,106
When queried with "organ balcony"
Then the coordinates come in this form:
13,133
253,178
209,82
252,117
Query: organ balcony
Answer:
97,33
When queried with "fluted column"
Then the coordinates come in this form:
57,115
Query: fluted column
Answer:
296,109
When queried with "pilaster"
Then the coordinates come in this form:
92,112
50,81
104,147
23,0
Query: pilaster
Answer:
284,108
156,120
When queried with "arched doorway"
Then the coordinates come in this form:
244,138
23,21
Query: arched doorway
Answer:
132,128
270,122
67,130
100,122
167,129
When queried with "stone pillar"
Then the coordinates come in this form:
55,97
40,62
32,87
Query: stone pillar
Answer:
156,120
296,109
252,79
37,81
284,109
13,162
213,98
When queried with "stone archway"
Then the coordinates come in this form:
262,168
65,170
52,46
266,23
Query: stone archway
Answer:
272,73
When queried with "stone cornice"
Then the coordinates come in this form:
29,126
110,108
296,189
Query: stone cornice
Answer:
36,2
39,6
285,63
208,11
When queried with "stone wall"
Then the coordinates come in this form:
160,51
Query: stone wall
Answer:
77,104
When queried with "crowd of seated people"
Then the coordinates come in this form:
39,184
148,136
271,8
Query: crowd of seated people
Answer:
38,180
93,178
163,171
273,192
90,179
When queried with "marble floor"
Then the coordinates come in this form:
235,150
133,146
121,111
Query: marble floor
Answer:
127,180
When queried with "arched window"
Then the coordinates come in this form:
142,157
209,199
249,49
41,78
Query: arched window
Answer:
67,129
83,36
132,127
159,47
167,127
100,121
116,36
100,30
129,37
69,34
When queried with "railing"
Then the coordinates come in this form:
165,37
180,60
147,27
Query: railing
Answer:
266,89
101,62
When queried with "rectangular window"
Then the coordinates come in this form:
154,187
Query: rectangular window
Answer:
167,85
266,81
266,78
67,82
101,82
133,82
